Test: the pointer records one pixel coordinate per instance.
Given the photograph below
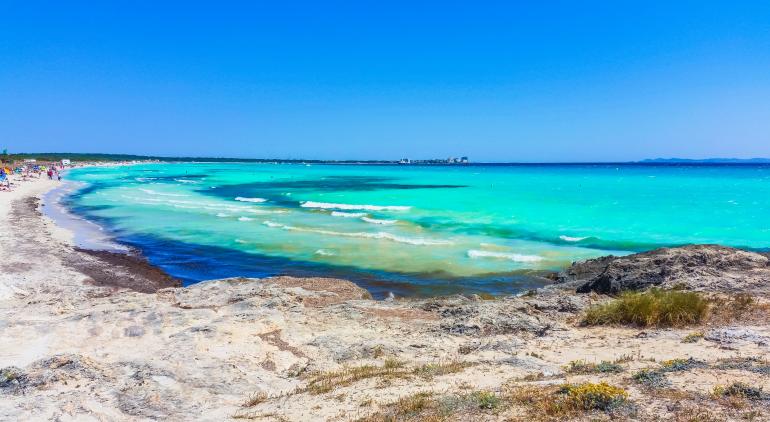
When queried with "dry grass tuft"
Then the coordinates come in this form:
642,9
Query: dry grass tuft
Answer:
431,370
255,399
741,307
328,381
390,370
693,337
652,308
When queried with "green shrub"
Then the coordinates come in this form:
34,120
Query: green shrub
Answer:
675,365
650,378
590,396
583,367
739,389
655,307
486,399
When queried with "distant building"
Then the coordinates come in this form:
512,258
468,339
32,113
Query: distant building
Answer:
65,162
464,160
30,160
404,161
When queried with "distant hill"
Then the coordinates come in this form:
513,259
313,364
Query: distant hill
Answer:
708,160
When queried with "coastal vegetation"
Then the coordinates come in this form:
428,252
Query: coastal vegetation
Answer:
584,367
651,308
391,369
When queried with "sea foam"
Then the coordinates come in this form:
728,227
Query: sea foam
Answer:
376,221
242,199
348,214
152,192
571,239
329,205
473,253
363,235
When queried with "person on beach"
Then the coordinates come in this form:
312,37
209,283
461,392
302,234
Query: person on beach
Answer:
5,183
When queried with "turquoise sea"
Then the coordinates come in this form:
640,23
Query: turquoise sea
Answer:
416,230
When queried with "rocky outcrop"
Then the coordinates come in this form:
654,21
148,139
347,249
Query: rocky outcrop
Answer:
696,267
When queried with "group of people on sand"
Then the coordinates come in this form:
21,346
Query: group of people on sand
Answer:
26,172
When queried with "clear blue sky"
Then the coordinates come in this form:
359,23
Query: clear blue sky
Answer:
498,81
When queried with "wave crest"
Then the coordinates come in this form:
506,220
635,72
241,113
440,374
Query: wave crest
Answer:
572,239
473,253
348,214
376,221
243,199
330,205
364,235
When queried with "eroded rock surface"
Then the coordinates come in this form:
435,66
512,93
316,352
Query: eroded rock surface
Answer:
696,267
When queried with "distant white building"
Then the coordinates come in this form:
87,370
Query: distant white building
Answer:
30,160
65,162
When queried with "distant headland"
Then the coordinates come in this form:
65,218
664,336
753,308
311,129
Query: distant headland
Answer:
707,160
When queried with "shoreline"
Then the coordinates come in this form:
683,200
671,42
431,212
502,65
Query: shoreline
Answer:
109,264
257,348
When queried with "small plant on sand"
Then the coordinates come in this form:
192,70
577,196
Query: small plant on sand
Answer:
583,367
255,399
739,390
655,307
693,337
486,399
568,400
675,365
751,364
590,396
431,370
327,381
650,378
432,407
391,369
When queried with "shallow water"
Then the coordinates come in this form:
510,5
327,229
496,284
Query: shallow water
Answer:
417,230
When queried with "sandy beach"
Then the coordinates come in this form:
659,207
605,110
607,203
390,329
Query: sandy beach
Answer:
100,336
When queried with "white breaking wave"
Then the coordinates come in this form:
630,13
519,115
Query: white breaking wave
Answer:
571,239
240,241
348,214
187,181
502,255
222,215
245,219
328,205
152,192
363,235
263,212
242,199
376,221
324,252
